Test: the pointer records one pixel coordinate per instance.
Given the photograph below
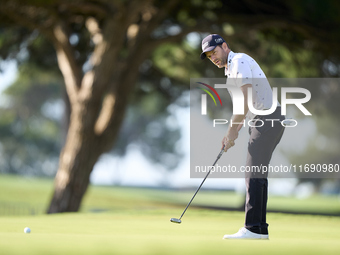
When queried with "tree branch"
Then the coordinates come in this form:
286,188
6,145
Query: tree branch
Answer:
150,24
14,11
66,61
56,33
85,8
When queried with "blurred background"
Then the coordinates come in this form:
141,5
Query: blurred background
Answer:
94,100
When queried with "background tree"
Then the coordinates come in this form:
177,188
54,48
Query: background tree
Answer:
102,48
30,127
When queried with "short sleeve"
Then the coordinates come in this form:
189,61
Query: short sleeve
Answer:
241,72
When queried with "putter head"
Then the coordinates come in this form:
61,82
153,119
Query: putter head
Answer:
289,122
174,220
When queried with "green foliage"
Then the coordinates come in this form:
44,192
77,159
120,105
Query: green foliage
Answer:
288,64
10,40
151,125
30,131
288,38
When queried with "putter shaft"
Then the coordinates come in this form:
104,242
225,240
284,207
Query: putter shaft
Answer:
218,157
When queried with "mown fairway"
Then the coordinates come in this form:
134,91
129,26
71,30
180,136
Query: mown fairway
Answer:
136,221
150,232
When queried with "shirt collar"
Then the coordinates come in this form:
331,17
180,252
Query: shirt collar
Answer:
230,58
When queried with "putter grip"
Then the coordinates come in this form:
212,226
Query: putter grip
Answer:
219,155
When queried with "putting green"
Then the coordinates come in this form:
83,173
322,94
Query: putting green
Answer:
150,232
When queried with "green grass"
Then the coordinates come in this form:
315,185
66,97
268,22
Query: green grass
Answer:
34,194
136,221
150,232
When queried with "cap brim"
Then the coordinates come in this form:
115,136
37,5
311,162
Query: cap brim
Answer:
203,56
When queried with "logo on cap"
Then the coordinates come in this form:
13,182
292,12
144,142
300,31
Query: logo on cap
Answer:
218,40
205,45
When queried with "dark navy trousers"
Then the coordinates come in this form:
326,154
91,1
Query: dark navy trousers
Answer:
262,142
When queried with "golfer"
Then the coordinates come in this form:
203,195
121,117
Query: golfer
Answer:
243,71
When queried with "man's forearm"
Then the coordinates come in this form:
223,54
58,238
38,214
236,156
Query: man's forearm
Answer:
237,121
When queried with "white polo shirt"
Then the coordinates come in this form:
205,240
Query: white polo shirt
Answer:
243,69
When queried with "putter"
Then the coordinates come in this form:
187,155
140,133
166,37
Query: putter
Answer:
175,220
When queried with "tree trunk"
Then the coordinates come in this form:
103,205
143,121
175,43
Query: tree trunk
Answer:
83,147
94,126
76,162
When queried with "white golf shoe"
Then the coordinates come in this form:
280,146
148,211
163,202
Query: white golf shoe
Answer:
264,236
244,233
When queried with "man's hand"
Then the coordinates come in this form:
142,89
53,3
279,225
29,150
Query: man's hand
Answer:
229,138
227,144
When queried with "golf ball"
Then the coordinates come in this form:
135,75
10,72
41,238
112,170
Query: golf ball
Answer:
27,230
